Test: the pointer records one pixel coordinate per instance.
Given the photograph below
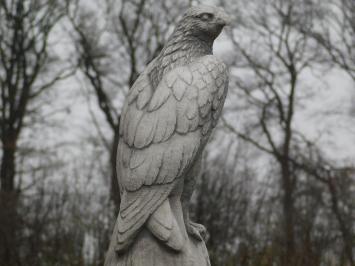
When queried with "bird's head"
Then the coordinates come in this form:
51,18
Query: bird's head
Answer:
205,22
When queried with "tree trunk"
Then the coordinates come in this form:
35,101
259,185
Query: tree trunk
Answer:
8,204
114,189
288,213
346,233
8,165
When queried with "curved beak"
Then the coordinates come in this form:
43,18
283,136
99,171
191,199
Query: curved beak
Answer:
223,18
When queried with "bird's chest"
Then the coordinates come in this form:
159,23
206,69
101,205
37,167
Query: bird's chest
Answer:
211,93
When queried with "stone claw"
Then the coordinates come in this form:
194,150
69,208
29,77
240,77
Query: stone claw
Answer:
198,231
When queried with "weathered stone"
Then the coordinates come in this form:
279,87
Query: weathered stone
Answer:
166,122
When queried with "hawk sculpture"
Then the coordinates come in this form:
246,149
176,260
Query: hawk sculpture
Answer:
166,121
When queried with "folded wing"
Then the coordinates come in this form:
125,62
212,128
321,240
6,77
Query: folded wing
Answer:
162,131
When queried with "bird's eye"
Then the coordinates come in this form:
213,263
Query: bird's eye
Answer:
206,16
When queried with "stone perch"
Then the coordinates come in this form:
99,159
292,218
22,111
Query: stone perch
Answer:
166,122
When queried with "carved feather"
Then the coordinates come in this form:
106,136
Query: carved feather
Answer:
163,130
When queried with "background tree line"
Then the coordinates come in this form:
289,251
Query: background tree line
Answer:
278,183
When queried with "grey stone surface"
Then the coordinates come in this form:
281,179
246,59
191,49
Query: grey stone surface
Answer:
166,121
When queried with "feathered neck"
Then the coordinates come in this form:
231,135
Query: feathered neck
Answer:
183,39
182,48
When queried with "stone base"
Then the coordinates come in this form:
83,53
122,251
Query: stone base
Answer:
148,251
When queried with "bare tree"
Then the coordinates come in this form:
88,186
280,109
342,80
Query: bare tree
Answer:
25,28
273,60
339,183
336,33
223,203
134,35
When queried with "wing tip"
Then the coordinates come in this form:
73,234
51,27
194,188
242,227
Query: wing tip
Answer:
163,225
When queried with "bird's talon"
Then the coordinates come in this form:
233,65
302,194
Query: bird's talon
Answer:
198,231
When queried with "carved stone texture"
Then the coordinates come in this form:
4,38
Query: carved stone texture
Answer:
166,121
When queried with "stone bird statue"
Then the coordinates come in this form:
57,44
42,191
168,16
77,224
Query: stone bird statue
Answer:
166,122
